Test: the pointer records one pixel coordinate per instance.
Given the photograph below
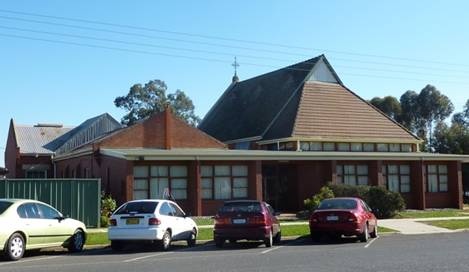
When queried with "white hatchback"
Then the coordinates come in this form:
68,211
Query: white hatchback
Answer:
156,220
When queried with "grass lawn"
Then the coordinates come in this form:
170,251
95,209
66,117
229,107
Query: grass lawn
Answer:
97,238
201,221
432,213
449,224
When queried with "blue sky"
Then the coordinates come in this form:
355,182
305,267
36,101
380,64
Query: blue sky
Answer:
376,48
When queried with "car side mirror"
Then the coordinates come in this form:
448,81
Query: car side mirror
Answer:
187,215
60,218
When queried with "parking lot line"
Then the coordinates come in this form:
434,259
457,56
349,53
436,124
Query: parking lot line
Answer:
271,249
146,257
30,260
371,242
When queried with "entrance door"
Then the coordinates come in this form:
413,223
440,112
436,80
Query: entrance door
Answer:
279,183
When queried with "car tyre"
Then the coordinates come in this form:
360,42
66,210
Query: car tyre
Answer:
117,245
192,239
15,247
315,237
269,240
374,233
278,238
365,235
77,241
165,243
219,242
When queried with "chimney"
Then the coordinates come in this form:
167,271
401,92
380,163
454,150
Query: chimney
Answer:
167,127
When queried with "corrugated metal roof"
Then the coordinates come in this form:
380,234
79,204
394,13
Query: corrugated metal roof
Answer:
86,132
50,139
32,139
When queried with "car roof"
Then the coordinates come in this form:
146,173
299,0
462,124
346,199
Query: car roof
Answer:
243,201
19,200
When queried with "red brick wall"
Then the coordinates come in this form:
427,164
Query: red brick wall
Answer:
151,134
11,153
312,175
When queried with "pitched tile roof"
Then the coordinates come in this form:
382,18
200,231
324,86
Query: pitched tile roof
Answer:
287,103
332,111
247,108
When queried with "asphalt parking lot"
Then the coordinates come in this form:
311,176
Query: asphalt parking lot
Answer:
436,252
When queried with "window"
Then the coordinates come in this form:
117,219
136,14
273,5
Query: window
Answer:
28,210
356,147
437,178
166,209
36,174
343,146
329,147
138,207
397,177
315,146
368,147
304,146
382,147
352,174
47,212
155,180
394,147
406,147
224,181
176,210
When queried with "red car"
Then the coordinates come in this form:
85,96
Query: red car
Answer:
343,216
246,219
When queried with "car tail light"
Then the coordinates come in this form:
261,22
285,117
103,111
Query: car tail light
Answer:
221,220
352,218
257,220
113,222
154,221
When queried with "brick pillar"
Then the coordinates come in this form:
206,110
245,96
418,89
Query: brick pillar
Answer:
455,184
375,173
418,183
255,180
168,128
333,167
195,194
128,190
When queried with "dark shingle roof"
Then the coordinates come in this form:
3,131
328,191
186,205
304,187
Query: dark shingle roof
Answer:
247,108
286,103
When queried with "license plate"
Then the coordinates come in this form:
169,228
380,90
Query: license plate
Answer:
239,221
332,218
132,221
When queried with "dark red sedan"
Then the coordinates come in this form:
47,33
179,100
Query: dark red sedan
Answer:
246,219
343,216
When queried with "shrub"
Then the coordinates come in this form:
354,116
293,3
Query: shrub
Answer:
108,205
385,204
312,203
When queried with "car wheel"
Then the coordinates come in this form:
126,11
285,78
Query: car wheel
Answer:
315,237
77,241
374,233
15,247
269,240
192,239
278,238
365,235
117,245
166,241
219,242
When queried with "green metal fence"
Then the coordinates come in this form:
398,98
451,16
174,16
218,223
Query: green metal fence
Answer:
77,198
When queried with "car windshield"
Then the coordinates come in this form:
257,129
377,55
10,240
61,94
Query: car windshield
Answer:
347,204
4,205
138,207
241,207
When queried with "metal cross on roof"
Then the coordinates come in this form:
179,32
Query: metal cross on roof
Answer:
235,65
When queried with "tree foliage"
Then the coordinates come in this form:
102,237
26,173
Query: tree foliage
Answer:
453,139
389,105
145,100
